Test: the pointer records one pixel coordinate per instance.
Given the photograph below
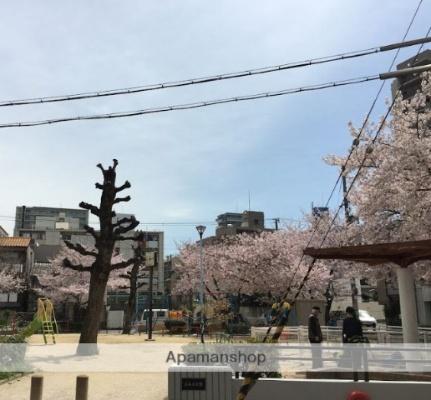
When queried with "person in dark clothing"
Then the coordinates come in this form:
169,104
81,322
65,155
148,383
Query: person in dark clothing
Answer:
352,333
314,331
315,337
352,328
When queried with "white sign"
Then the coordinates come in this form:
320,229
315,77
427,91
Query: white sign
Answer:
150,259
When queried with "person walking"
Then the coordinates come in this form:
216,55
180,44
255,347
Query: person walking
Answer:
315,337
352,328
352,334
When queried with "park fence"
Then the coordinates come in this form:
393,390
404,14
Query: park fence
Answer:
333,334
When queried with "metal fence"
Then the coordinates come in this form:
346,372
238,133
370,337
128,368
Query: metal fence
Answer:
333,334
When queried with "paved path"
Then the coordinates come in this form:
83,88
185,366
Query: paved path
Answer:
101,387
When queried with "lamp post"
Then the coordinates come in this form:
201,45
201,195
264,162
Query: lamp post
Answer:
141,245
201,230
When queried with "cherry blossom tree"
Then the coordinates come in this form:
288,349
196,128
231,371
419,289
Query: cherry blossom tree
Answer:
264,264
67,285
392,195
10,280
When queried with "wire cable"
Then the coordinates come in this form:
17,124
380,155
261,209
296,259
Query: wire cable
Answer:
361,131
200,104
368,150
213,78
354,146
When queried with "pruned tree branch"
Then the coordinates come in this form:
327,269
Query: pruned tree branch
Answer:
93,209
76,267
101,168
99,186
91,231
139,285
126,185
122,199
126,228
123,264
79,248
123,221
123,238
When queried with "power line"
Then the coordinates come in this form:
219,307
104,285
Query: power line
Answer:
152,223
382,124
354,146
213,78
367,152
361,131
188,106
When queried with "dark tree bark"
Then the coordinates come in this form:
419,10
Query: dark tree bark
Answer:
329,296
133,276
104,243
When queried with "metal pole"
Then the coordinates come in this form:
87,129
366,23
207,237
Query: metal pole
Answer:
150,316
36,388
348,218
201,294
409,321
81,387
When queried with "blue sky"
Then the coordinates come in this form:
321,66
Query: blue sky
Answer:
192,165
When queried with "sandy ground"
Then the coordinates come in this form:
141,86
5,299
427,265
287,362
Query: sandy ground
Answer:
101,387
116,338
106,386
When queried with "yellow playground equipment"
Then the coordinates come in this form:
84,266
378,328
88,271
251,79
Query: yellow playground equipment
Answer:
45,314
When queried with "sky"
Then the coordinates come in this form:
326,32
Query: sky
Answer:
186,167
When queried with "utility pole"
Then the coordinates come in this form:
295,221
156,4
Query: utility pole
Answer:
151,262
201,230
348,218
347,215
276,222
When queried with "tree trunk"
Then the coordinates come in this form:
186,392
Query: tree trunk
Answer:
328,310
95,306
131,303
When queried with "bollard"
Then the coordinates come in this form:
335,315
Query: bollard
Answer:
81,387
36,387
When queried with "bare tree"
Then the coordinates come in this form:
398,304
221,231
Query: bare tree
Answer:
105,240
134,276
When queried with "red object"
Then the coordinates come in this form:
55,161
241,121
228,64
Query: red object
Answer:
357,395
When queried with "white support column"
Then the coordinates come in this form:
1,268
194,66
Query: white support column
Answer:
409,319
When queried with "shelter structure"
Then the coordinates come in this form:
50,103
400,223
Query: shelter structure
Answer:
402,254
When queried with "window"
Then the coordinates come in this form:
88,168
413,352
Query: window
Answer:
8,297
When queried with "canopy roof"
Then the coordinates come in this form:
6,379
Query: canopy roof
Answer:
401,253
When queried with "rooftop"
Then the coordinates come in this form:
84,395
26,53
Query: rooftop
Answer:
401,253
20,242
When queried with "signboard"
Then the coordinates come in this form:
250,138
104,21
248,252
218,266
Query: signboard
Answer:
150,258
193,384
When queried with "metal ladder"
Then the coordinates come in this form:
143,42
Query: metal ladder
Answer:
45,314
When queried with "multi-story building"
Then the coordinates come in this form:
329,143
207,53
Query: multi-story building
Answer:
34,220
229,224
48,227
410,84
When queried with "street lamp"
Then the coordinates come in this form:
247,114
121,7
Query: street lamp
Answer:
201,230
140,251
